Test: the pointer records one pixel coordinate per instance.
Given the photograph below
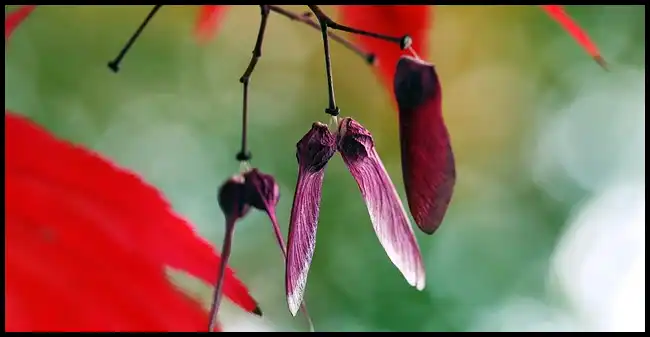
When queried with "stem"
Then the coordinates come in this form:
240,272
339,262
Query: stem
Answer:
225,255
403,41
115,64
332,109
244,154
280,240
326,22
369,57
414,53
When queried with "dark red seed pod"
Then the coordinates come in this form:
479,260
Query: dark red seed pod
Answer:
232,198
428,163
262,192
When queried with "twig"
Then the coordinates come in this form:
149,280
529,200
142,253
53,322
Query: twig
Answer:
305,18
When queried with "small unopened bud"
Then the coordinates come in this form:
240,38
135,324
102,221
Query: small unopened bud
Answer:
262,192
232,198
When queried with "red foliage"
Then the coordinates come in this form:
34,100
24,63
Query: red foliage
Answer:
395,20
208,21
87,243
15,18
558,14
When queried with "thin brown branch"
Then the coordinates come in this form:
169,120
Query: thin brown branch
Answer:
306,19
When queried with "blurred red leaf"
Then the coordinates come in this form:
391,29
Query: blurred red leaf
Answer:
208,21
15,18
63,274
396,20
97,238
558,14
87,243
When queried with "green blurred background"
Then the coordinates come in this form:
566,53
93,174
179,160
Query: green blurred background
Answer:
542,138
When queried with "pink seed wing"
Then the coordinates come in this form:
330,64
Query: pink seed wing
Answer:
428,165
302,235
314,150
387,213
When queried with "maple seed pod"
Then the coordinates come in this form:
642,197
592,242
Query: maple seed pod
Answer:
387,214
428,165
232,198
233,203
262,192
314,150
316,147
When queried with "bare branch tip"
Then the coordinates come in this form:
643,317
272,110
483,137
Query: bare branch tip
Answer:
371,59
114,66
601,62
405,42
258,311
